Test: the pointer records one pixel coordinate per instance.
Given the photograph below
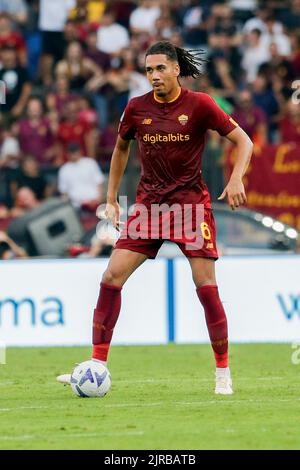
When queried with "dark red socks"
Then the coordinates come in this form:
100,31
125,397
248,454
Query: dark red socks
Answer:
108,308
105,317
216,323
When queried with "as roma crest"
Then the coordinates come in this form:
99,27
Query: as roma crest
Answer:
183,119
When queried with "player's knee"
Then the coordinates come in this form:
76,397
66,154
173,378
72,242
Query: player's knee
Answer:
111,277
205,282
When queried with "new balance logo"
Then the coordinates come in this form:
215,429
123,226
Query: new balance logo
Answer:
147,121
289,306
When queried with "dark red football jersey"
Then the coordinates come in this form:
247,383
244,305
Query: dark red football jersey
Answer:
171,138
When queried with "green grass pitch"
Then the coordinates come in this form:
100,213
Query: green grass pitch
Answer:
162,398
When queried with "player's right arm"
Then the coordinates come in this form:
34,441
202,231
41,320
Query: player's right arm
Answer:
117,167
126,133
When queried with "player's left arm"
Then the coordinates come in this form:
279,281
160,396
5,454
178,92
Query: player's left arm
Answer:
234,190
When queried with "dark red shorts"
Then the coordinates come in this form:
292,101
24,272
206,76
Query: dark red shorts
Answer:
205,248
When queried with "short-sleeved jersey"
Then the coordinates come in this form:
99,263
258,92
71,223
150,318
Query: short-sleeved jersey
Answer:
171,138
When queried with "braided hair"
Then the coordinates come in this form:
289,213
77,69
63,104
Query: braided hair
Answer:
189,62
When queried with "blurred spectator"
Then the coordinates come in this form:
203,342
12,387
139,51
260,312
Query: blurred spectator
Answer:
111,36
256,53
86,112
95,10
87,11
15,77
122,10
224,103
81,180
87,58
83,74
138,83
295,59
213,165
290,16
4,212
53,15
71,129
243,8
10,151
132,61
223,65
71,33
264,97
80,11
289,125
103,60
107,142
33,39
101,247
96,248
259,21
279,38
25,200
266,32
143,18
93,53
195,25
277,66
29,176
221,21
9,249
16,9
119,79
35,133
176,39
60,95
11,38
164,27
251,118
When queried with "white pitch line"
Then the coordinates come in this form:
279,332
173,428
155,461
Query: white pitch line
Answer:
220,401
104,434
25,408
4,384
196,403
199,402
225,401
16,438
147,381
190,379
128,405
262,378
74,436
171,380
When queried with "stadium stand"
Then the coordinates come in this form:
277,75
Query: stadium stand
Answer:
70,67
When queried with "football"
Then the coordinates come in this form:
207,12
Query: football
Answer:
90,379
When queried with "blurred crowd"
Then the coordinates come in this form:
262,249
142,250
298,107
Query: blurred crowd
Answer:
69,67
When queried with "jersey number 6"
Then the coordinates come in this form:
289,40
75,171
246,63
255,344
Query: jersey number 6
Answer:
205,231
